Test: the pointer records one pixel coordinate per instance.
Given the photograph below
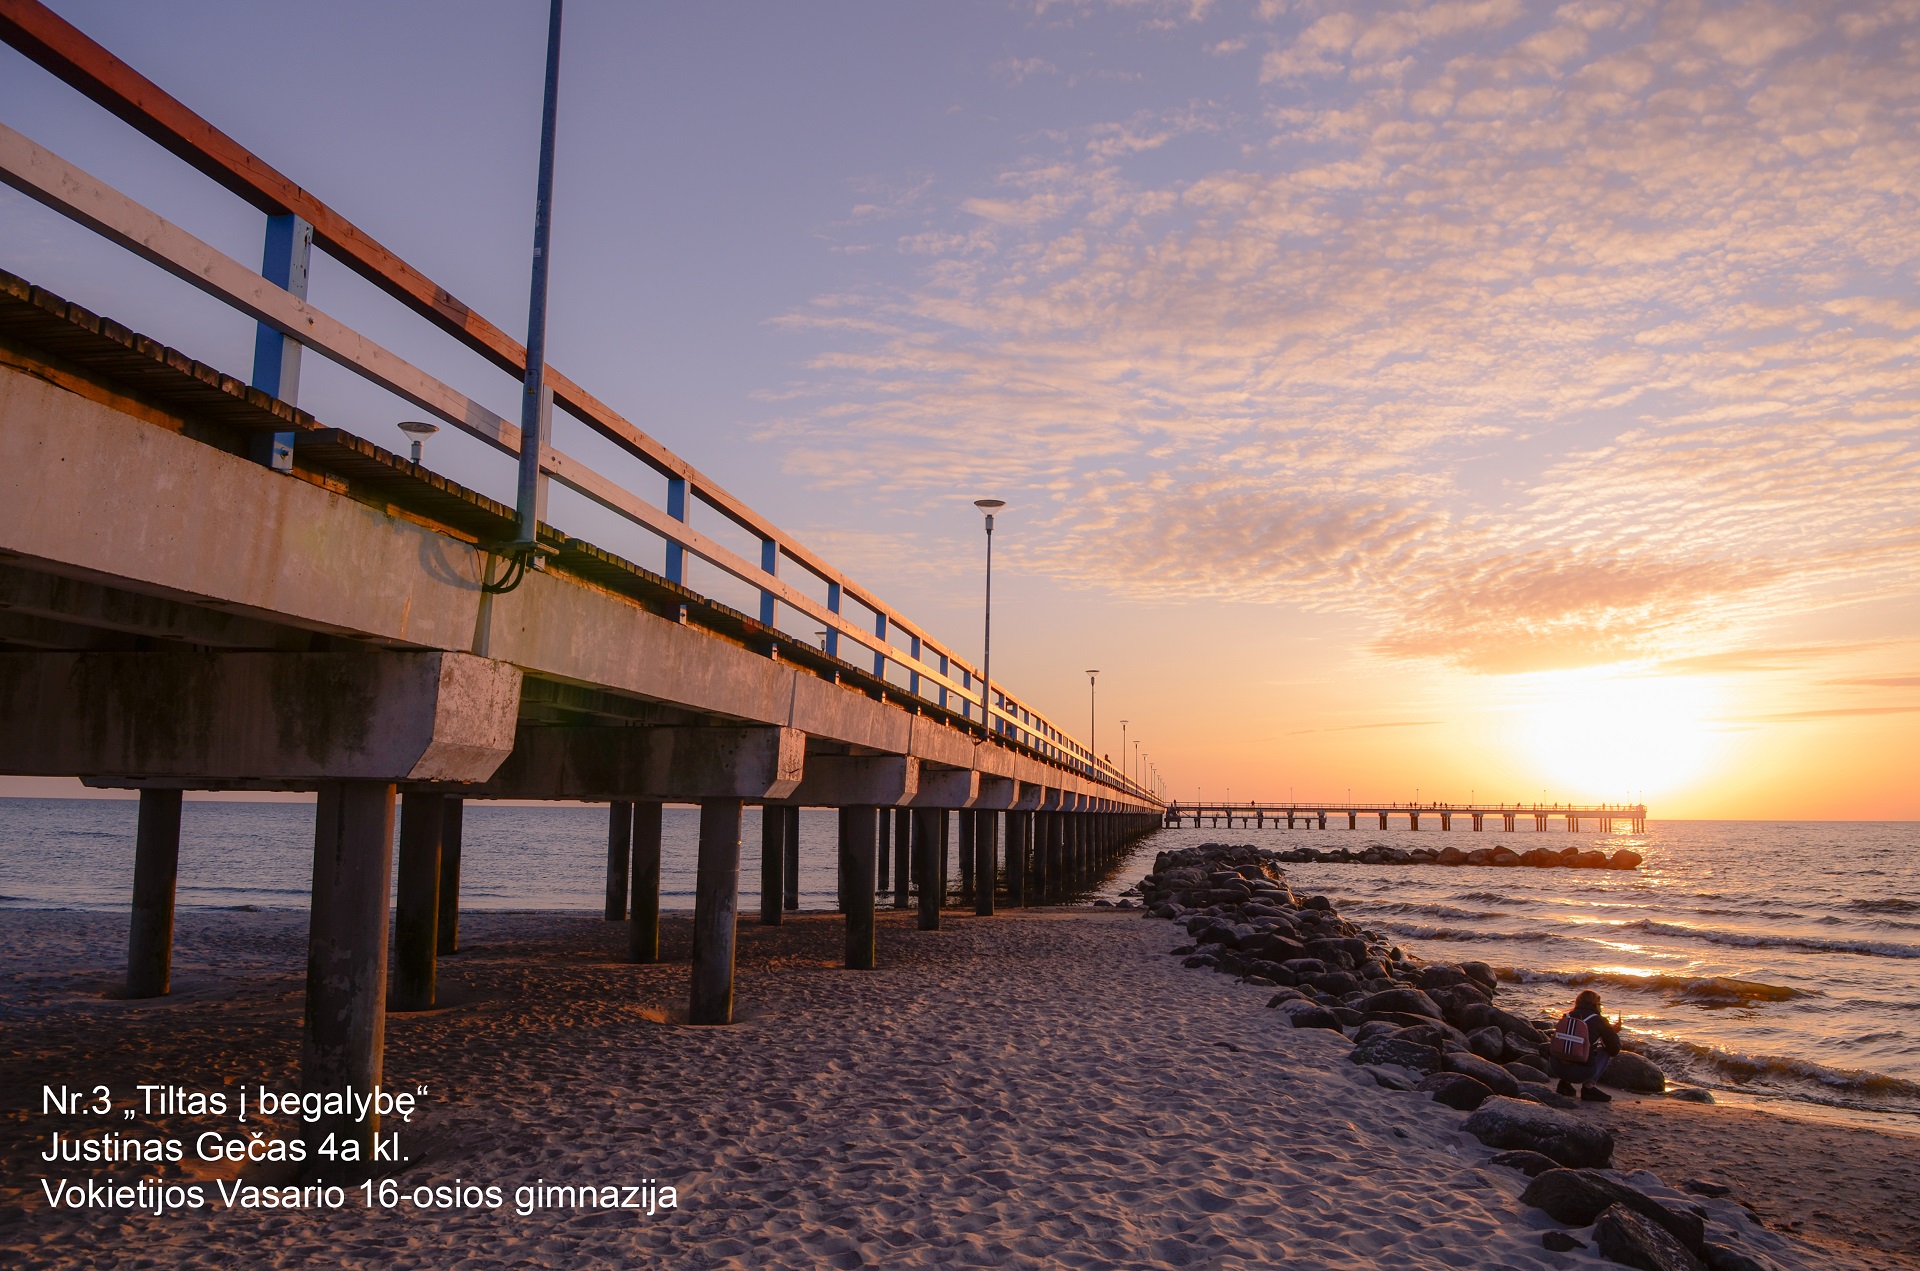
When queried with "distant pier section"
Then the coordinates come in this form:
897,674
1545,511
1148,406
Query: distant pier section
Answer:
1602,816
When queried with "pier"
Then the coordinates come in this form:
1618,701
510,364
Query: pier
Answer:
1602,817
203,587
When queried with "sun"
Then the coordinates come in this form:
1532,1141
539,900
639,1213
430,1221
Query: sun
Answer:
1611,735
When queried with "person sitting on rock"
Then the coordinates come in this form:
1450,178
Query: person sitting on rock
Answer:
1583,1041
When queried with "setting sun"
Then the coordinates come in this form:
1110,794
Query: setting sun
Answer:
1603,734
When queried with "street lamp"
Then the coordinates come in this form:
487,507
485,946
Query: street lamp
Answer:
1093,747
987,508
419,430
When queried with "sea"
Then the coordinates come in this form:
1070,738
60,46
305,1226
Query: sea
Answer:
1776,963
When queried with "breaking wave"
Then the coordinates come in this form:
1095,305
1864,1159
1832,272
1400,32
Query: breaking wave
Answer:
1891,905
1419,931
1755,940
1801,1078
1711,990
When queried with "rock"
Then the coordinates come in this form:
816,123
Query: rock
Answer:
1200,960
1625,1237
1391,1077
1492,1076
1374,1028
1456,1090
1527,1072
1439,975
1701,1187
1720,1257
1304,1014
1338,983
1578,1196
1305,966
1286,995
1348,1017
1394,1050
1691,1094
1483,974
1400,1019
1590,860
1434,1033
1532,1164
1560,1241
1489,1043
1624,859
1515,1123
1450,855
1547,1096
1628,1071
1409,1001
1463,1005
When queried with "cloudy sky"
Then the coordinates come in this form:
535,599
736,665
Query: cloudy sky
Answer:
1465,398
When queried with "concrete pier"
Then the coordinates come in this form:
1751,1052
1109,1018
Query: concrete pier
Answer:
643,930
619,854
344,1043
926,864
416,938
773,864
156,869
716,903
452,830
790,872
858,834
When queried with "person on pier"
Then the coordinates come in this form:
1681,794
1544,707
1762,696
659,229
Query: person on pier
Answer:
1583,1042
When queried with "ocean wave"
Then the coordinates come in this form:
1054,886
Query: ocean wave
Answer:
1759,940
1699,990
1818,1083
1890,905
1491,898
1420,931
1428,910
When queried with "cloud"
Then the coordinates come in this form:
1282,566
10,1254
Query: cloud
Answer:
1885,681
1533,339
1842,712
1760,661
1015,70
1354,728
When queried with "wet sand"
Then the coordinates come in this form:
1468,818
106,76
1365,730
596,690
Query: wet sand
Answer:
1040,1089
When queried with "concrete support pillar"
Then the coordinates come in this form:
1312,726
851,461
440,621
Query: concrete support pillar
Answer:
858,831
452,830
926,864
790,823
643,933
1018,825
944,828
902,858
773,864
1056,854
343,1043
968,826
156,871
416,918
619,854
716,901
1383,820
882,855
986,836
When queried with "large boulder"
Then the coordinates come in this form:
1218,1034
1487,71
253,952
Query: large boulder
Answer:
1532,1164
1628,1071
1303,1014
1492,1076
1625,1237
1488,1043
1578,1196
1408,1001
1456,1090
1624,859
1395,1050
1506,1123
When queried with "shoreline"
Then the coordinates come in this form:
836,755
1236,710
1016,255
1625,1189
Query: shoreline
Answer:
1044,1086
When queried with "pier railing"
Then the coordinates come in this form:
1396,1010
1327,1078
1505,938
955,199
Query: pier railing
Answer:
899,648
1259,813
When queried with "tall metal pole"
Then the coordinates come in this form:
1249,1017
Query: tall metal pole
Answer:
533,411
988,507
1093,733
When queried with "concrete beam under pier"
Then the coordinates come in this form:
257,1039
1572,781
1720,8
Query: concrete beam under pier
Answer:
602,764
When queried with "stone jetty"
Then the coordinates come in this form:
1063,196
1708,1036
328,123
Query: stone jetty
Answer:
1434,1029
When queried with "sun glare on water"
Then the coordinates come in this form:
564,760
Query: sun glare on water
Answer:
1607,735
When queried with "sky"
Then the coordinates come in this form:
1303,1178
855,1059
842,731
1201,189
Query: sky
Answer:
1474,399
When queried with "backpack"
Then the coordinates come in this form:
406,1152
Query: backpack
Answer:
1572,1043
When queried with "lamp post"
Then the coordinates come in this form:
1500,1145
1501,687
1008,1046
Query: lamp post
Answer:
1136,760
1093,746
418,430
1123,741
987,508
533,413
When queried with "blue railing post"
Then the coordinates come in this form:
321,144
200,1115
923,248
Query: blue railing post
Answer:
769,561
880,659
966,703
833,633
276,358
913,677
943,687
677,509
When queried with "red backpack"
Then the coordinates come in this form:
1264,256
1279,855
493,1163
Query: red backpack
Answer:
1571,1040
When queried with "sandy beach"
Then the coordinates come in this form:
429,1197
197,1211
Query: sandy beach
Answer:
1045,1088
